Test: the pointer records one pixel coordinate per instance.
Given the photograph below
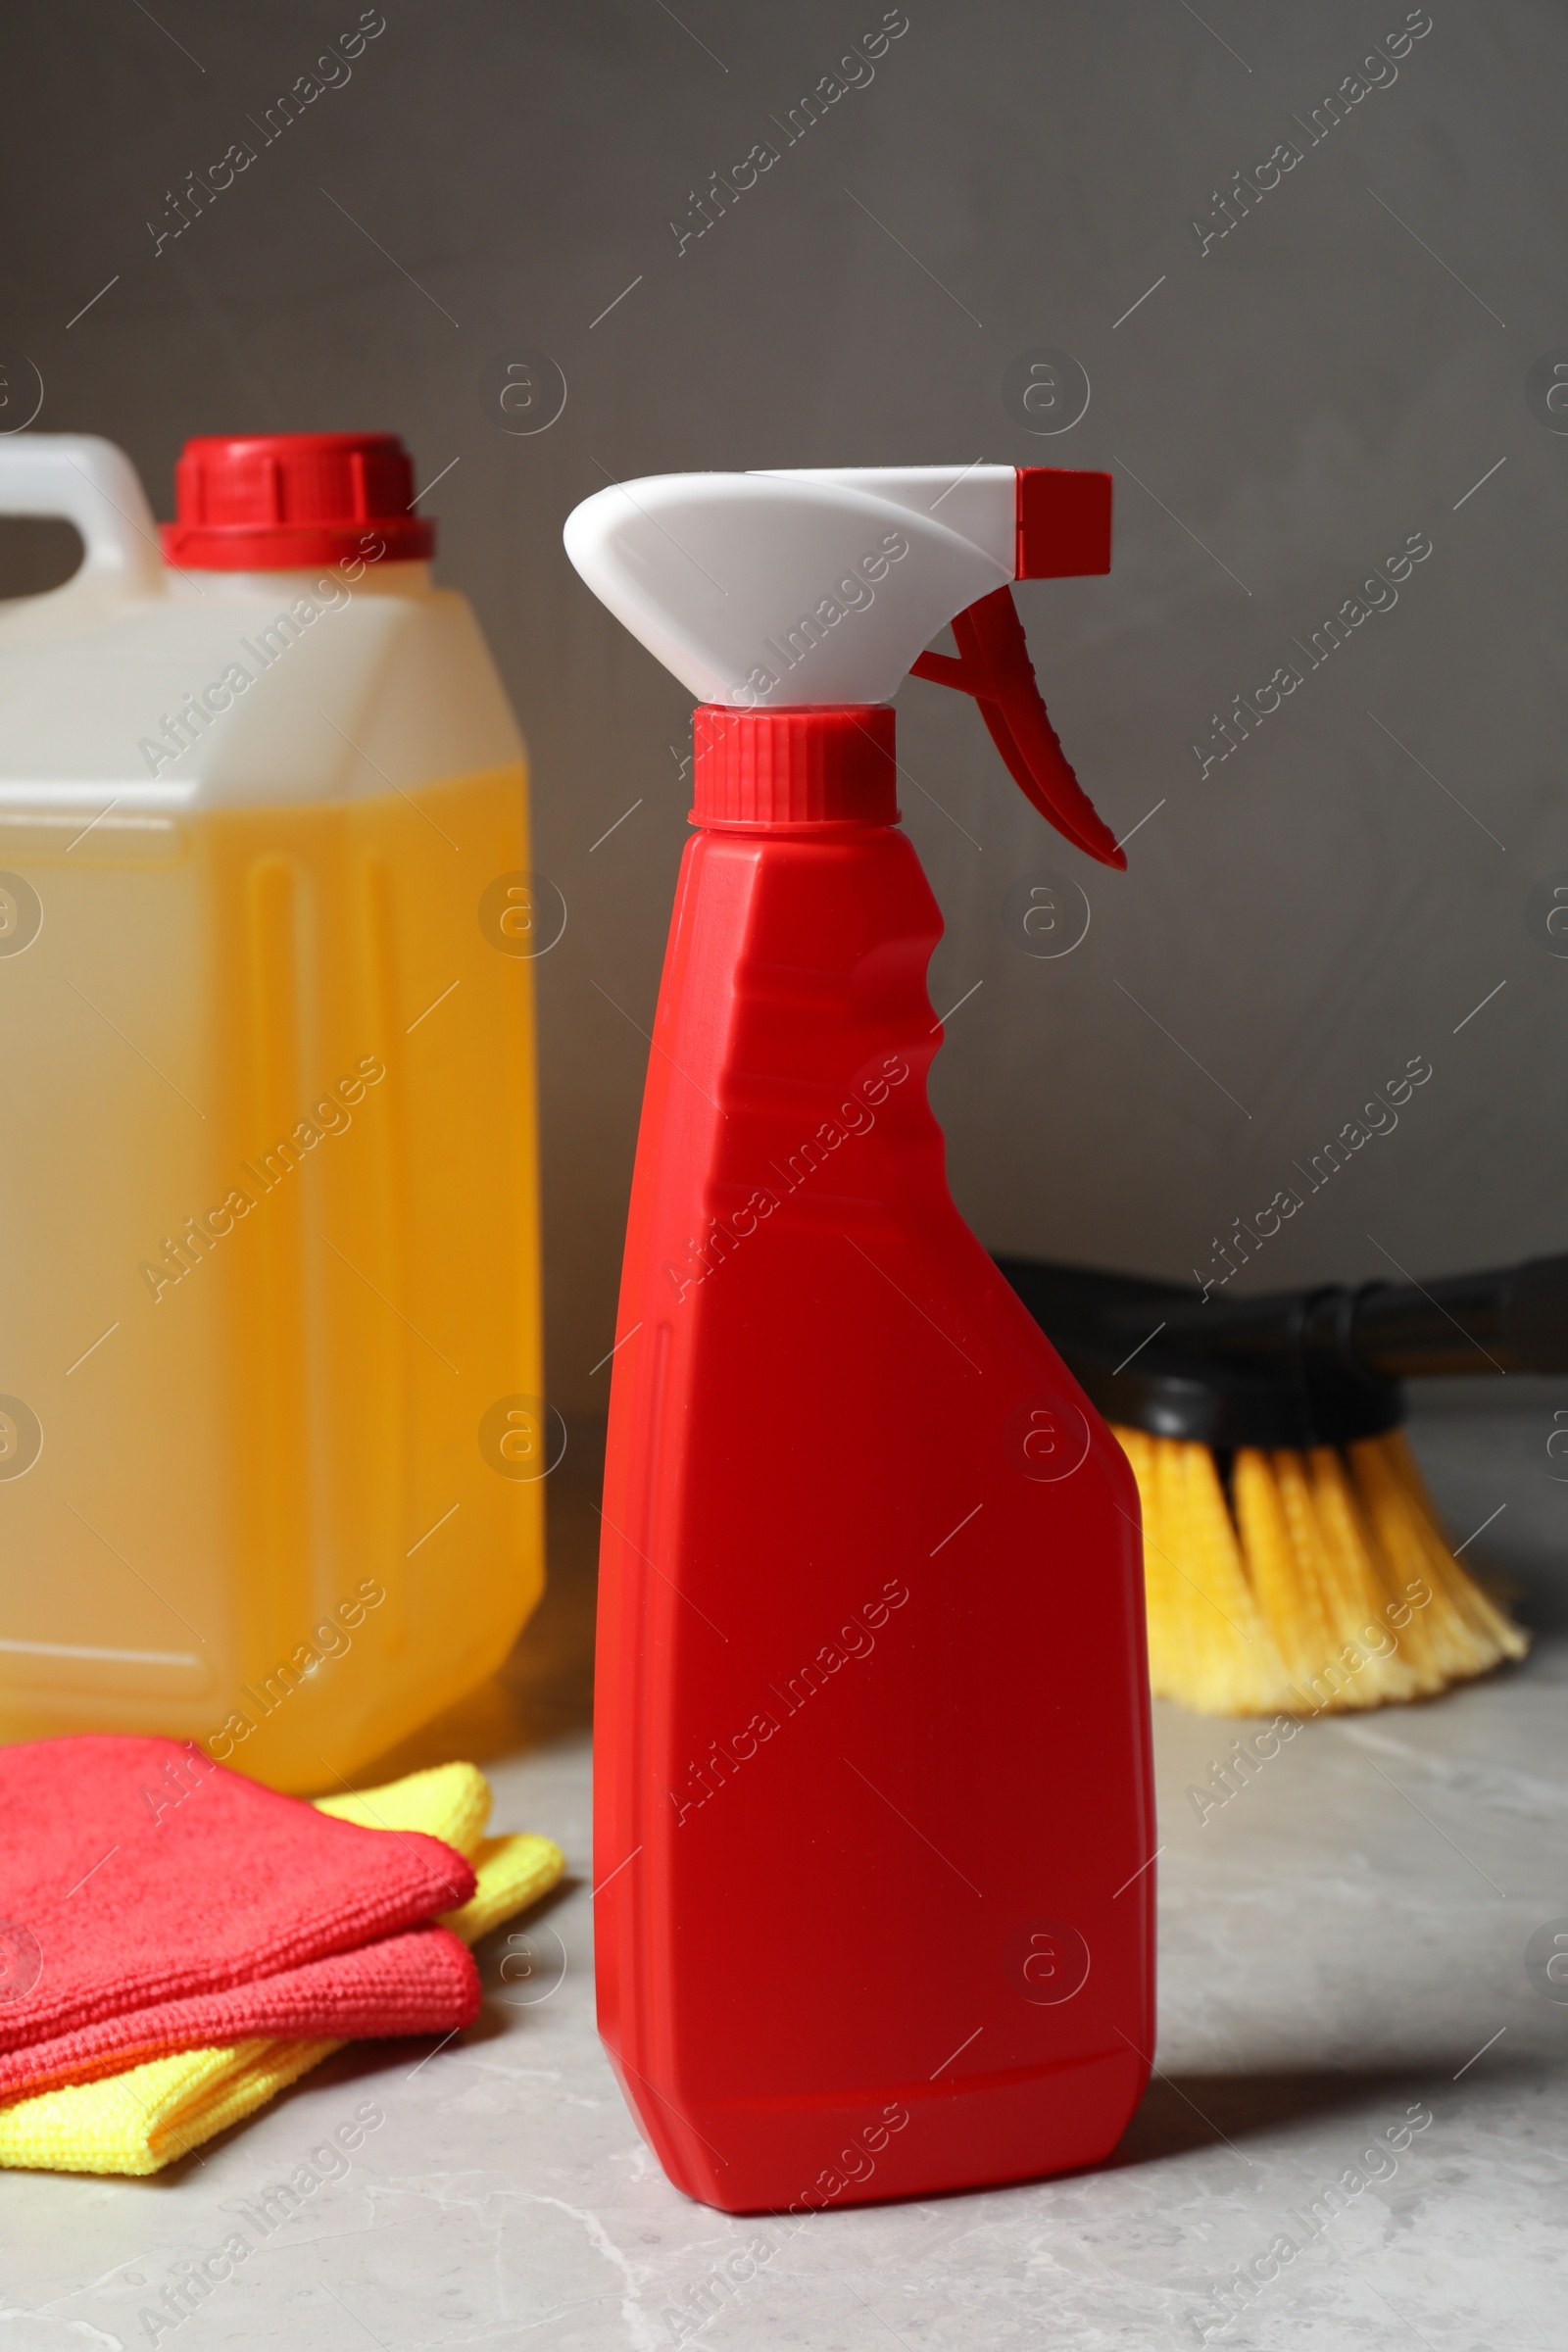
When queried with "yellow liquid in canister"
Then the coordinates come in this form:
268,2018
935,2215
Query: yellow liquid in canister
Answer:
271,1477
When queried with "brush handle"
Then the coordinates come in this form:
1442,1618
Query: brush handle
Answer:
1511,1320
1514,1320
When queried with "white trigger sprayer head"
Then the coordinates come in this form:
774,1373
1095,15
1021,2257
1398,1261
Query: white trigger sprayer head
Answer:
777,591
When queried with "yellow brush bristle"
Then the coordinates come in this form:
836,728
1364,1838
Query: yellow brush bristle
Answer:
1323,1584
1208,1643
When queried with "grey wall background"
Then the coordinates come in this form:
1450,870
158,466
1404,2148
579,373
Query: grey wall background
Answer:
1281,412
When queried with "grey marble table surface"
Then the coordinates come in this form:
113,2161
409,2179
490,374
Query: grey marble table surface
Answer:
1354,2062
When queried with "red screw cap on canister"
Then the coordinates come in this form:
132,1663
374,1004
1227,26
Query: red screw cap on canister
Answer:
273,502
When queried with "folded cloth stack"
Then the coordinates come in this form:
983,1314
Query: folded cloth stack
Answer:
180,1944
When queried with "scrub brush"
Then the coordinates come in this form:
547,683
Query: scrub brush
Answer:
1293,1560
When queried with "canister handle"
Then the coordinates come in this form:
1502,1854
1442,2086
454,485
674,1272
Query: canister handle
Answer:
88,482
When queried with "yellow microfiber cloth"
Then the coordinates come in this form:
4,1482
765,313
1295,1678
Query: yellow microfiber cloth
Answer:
143,2119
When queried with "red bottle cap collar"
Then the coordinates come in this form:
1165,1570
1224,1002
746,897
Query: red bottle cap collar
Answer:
800,767
275,502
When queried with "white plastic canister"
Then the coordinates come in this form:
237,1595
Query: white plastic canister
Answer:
271,1438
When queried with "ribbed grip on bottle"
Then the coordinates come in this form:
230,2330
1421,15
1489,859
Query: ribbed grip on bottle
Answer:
803,767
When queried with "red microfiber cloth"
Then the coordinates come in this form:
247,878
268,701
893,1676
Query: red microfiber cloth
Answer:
421,1981
132,1923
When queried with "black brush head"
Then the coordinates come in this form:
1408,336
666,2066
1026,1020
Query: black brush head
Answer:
1119,1337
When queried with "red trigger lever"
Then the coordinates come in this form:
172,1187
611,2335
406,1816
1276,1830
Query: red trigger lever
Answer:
1063,531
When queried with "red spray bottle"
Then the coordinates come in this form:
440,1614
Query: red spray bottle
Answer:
873,1818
